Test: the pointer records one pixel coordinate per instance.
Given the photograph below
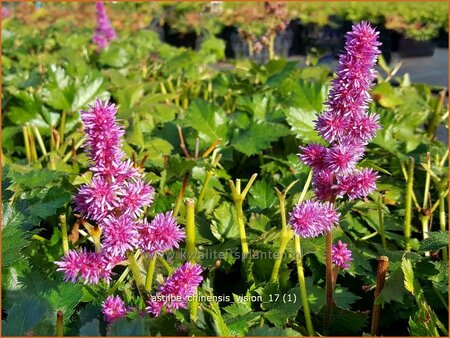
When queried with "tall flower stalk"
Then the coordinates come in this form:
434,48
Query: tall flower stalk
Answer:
347,128
104,33
115,202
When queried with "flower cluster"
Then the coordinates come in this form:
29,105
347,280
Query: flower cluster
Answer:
113,308
115,200
341,256
104,32
348,128
173,294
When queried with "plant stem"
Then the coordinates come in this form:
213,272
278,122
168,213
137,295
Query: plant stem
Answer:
190,230
150,273
136,273
301,280
434,123
62,125
181,194
208,176
328,283
408,204
271,46
286,235
27,143
40,141
59,324
381,222
33,151
383,264
442,222
242,234
65,241
190,248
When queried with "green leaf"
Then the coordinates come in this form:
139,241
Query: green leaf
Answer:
32,179
346,322
302,124
65,298
124,327
286,307
237,309
393,289
24,316
408,274
208,120
262,195
14,238
91,328
265,331
53,200
114,56
259,223
225,225
258,137
435,241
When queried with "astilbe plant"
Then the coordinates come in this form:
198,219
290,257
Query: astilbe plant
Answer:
104,33
347,127
115,201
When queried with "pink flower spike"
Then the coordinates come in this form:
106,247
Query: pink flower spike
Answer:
177,289
113,308
98,199
162,234
341,256
313,155
137,195
342,158
357,184
71,265
119,235
311,218
323,182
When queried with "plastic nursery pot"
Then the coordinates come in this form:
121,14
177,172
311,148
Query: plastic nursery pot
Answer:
298,46
180,39
412,48
443,38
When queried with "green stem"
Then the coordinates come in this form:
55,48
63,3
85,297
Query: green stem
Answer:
59,324
119,281
381,222
408,204
26,141
190,230
136,273
62,125
190,248
40,141
302,283
443,223
150,273
65,241
434,123
166,265
328,283
242,234
181,194
208,176
271,46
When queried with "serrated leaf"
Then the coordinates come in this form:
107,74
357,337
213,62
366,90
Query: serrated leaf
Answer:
393,289
237,309
258,137
35,178
287,307
208,120
225,225
53,200
302,124
124,327
435,241
265,330
262,195
347,322
114,56
259,222
24,316
65,298
408,274
91,328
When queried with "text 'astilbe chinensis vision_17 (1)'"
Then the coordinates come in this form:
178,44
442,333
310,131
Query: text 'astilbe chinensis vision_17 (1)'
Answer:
115,201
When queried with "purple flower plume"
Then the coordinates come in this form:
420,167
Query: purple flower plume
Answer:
104,32
161,234
113,308
311,219
341,256
174,293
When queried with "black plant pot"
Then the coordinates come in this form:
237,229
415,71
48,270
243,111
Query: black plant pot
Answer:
412,48
443,38
298,46
226,34
177,39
